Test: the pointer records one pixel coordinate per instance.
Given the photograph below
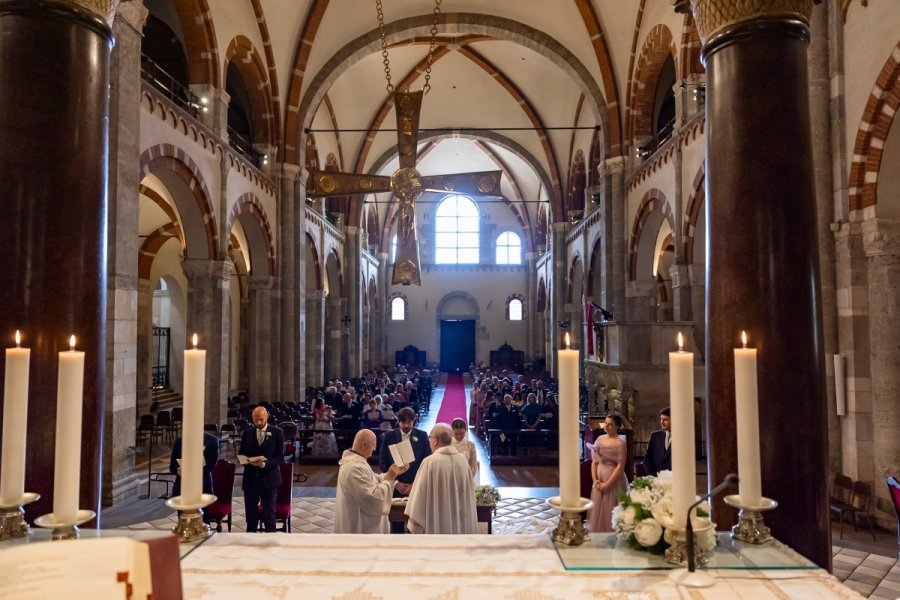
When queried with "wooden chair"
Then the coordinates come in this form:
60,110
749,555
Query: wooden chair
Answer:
223,488
283,497
858,506
894,490
840,489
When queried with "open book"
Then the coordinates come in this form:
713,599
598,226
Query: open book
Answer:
107,568
402,453
246,459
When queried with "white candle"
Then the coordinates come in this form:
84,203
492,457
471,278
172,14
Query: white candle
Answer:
69,399
747,419
681,392
15,422
569,438
192,424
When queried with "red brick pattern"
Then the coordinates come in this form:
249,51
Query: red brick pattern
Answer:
868,148
658,46
249,204
262,113
577,263
167,156
200,42
690,49
652,201
272,70
316,266
692,214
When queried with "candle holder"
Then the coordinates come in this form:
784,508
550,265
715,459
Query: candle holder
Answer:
677,552
64,529
12,518
750,527
190,525
570,530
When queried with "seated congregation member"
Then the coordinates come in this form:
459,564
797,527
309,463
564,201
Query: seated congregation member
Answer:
531,412
262,476
363,498
372,416
443,496
463,445
210,456
506,417
406,418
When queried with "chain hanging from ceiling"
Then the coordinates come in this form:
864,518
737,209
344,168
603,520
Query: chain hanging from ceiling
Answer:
384,52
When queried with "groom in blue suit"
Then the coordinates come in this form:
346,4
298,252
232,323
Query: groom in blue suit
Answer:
659,449
406,418
263,476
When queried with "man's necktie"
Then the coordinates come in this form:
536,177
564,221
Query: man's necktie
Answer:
261,437
668,439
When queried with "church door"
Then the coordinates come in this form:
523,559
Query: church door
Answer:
457,345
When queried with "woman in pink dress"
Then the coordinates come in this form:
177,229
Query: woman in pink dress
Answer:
608,456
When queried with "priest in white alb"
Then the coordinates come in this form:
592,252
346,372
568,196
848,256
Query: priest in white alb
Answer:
363,498
442,499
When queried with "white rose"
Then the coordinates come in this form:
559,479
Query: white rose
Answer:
641,496
669,536
664,481
628,515
663,511
648,532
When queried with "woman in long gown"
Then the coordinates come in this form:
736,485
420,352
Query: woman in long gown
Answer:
464,445
324,442
608,457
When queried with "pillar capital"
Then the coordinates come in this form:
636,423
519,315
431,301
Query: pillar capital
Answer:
612,166
105,9
261,282
134,13
199,267
714,16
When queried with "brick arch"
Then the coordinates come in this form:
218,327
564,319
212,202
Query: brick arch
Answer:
249,205
541,304
658,45
652,201
692,214
690,49
200,42
249,64
576,261
171,158
274,95
593,262
152,245
319,283
577,181
878,116
404,29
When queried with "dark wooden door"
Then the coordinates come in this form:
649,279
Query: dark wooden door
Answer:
457,345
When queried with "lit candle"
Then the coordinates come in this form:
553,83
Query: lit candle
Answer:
192,424
69,399
15,417
681,397
747,419
569,438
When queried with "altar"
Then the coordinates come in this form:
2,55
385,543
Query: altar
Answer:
426,567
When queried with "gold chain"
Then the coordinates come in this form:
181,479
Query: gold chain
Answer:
384,52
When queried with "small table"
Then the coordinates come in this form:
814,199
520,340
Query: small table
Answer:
485,514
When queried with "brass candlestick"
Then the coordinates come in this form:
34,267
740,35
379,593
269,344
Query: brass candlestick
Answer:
12,518
570,530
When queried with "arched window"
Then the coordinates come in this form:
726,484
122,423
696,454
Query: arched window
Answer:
456,231
509,249
515,308
398,308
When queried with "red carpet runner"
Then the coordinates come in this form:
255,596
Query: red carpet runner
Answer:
454,403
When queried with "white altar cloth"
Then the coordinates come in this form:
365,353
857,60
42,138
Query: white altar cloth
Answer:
464,567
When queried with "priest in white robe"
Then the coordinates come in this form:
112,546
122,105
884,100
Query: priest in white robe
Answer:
363,498
442,499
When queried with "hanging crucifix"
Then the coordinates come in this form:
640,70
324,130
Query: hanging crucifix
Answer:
406,183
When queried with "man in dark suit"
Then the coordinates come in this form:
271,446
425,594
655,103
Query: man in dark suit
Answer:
659,449
262,476
406,418
210,456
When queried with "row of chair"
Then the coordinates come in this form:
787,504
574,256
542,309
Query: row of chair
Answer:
223,487
852,498
166,425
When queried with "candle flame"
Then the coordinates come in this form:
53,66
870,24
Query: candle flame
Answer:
680,342
567,340
72,343
744,338
18,338
195,341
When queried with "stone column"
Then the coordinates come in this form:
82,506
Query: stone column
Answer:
214,111
261,340
881,239
208,316
763,271
144,372
353,296
55,69
291,278
696,279
610,196
558,295
531,321
315,337
334,310
641,300
122,286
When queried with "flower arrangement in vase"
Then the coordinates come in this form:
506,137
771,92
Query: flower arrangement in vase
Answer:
644,518
486,495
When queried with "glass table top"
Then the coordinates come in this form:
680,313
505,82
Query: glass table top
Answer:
39,535
605,552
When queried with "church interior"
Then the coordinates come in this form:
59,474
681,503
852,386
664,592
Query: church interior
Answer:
323,190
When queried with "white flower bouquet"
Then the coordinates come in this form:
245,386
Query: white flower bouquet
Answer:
643,519
486,495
